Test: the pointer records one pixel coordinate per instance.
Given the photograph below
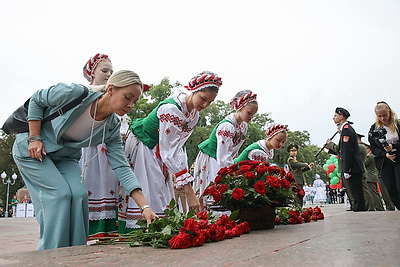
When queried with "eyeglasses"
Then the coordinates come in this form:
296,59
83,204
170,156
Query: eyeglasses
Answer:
293,150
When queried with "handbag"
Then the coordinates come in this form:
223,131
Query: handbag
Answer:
17,122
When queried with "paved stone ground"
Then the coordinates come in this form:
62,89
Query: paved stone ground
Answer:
342,239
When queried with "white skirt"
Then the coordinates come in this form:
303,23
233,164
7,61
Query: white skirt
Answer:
156,188
205,171
320,195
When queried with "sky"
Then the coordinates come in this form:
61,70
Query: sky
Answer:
302,58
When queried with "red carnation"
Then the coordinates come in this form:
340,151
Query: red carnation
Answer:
285,184
202,215
218,234
260,187
245,227
223,171
290,177
314,217
190,224
299,219
245,168
274,169
273,181
307,218
182,240
198,240
218,179
234,167
223,220
238,194
317,210
249,175
223,188
320,216
261,169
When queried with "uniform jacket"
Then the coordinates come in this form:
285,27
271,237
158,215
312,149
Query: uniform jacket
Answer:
47,101
348,150
297,168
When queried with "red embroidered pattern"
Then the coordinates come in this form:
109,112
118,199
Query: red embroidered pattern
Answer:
228,134
258,158
176,121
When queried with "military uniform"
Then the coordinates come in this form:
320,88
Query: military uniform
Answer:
371,176
297,168
350,162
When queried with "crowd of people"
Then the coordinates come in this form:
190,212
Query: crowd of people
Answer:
145,162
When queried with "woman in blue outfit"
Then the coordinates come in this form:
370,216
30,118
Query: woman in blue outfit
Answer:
47,157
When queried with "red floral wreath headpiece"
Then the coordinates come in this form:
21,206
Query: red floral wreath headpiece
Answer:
204,80
240,102
273,130
91,65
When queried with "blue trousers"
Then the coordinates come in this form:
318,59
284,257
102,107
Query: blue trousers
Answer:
59,197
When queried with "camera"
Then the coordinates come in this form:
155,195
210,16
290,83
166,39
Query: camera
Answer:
379,135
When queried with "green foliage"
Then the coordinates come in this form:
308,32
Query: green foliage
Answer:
159,232
8,165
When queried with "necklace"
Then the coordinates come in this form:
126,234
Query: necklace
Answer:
87,160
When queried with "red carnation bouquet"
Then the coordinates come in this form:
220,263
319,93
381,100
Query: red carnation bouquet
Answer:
254,184
178,230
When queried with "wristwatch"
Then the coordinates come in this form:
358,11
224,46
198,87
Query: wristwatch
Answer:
143,208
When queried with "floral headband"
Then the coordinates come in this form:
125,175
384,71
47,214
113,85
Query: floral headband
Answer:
273,130
239,102
204,80
91,65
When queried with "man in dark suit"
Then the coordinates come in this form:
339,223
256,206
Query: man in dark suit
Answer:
351,165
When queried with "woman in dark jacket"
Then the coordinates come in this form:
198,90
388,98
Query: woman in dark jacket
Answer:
385,144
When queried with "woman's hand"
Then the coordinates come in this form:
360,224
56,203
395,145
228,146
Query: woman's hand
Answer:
149,215
193,202
140,200
36,149
391,157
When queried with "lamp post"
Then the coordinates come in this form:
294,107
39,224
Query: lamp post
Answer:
8,182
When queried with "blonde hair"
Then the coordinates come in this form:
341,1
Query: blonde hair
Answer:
119,79
382,105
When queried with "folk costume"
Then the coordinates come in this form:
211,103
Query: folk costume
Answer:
223,144
259,151
55,184
154,148
100,179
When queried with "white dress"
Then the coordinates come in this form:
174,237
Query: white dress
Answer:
320,194
101,181
230,137
175,127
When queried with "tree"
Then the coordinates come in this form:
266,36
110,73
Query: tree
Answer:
8,165
210,116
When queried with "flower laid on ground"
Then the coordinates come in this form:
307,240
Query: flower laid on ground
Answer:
254,183
295,216
178,230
